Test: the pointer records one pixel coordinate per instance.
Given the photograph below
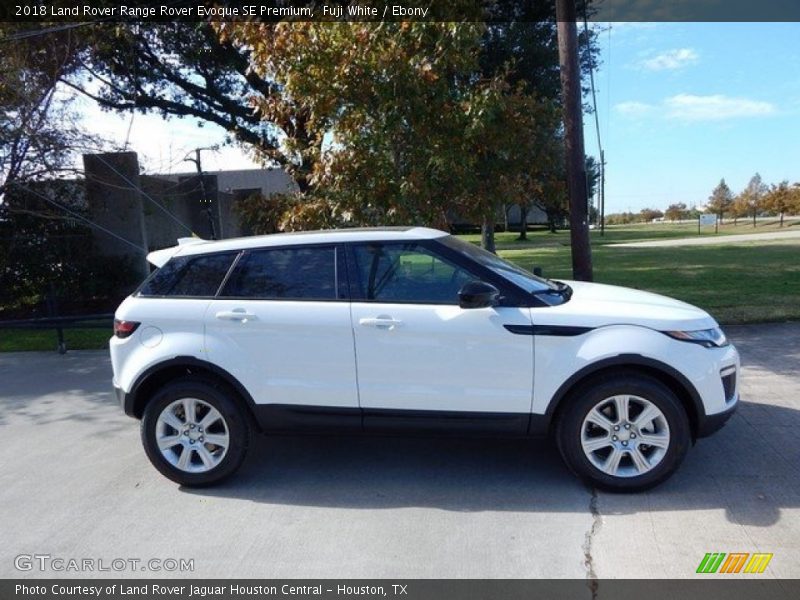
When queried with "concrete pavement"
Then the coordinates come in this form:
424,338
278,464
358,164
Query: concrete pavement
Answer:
75,483
710,239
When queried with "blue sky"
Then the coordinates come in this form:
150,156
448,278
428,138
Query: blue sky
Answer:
681,105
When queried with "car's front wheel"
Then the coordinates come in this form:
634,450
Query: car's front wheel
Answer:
623,432
194,433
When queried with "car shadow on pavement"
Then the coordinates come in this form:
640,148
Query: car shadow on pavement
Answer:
744,470
43,388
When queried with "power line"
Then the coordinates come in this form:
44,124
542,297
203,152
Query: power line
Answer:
80,217
31,33
143,193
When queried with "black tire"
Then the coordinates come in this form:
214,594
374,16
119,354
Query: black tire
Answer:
569,428
236,422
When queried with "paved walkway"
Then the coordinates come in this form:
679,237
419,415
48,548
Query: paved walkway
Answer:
707,239
74,482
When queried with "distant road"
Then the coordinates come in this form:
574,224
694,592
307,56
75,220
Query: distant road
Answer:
706,239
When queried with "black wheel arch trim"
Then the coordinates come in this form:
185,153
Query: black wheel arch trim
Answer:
130,400
539,424
630,360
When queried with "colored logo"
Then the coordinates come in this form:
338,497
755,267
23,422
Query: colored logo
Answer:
735,562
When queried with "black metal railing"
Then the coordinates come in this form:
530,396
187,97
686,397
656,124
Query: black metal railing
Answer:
59,324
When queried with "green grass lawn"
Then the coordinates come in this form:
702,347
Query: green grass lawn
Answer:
636,233
20,340
737,283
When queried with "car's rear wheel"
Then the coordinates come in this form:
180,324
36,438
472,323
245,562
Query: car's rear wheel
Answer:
624,432
194,432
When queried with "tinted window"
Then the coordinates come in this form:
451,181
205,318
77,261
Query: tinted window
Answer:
407,273
189,276
285,274
524,279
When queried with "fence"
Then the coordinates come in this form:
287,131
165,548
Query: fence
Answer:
59,324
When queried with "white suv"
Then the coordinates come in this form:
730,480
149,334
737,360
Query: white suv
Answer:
386,330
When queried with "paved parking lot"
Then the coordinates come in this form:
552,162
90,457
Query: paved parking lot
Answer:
75,483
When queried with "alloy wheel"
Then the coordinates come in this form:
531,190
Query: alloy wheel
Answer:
625,436
192,435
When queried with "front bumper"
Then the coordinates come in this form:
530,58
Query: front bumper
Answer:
712,423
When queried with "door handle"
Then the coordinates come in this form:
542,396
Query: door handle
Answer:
237,314
381,322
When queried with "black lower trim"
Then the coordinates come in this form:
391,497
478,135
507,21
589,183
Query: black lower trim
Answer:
289,418
712,423
445,422
292,418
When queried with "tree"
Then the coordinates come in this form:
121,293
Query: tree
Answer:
650,214
749,201
676,212
200,70
782,199
186,69
414,135
38,130
720,201
740,207
197,70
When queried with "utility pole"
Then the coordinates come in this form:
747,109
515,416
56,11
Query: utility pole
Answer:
602,193
203,191
573,138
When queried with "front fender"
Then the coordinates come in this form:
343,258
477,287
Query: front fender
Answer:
562,361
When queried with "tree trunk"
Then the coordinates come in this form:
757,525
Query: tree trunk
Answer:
551,222
781,218
487,235
754,218
567,29
523,222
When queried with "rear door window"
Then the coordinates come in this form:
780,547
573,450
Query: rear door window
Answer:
285,274
189,276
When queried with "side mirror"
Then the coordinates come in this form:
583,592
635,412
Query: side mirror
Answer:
537,271
478,294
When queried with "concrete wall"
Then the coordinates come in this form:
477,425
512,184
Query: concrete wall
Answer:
115,203
153,211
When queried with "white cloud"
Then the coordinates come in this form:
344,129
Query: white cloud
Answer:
634,109
688,107
670,60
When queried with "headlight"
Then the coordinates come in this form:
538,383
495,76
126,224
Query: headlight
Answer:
710,338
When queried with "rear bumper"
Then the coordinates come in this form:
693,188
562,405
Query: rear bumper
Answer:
712,423
124,400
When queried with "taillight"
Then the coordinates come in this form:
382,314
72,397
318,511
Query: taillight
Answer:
123,329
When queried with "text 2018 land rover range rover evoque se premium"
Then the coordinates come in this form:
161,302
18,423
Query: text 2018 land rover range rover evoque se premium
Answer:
384,330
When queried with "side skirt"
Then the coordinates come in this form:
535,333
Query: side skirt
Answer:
294,419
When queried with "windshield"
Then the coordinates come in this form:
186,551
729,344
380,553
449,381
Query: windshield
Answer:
517,275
